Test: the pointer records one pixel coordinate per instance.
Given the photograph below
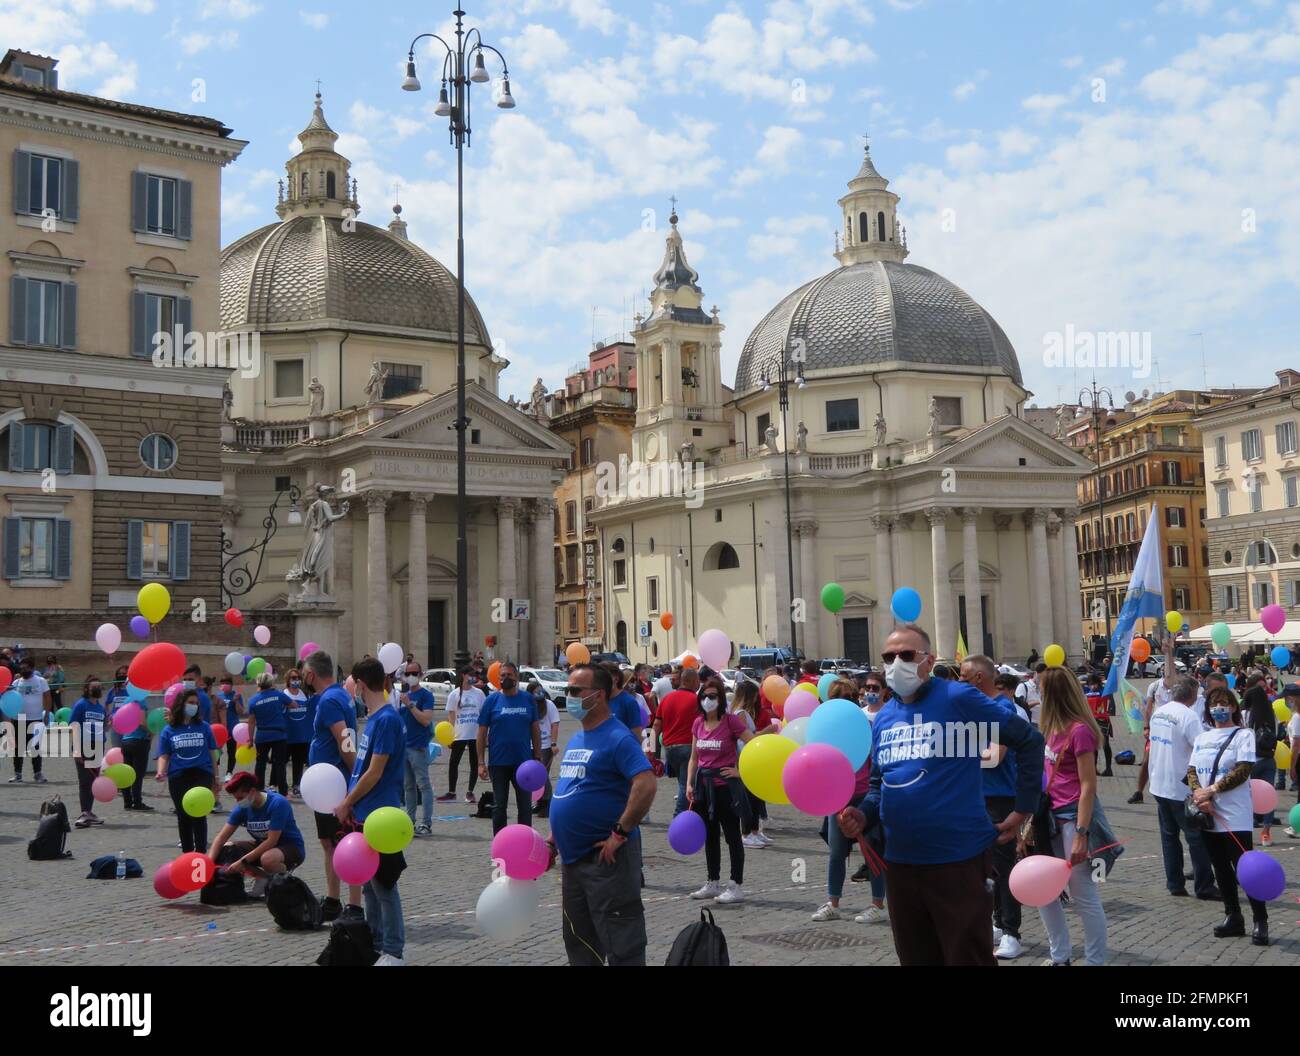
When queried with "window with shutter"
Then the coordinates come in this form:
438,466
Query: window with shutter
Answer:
17,447
180,539
63,549
140,343
11,547
64,446
22,181
70,209
184,193
18,310
134,549
1293,490
68,316
139,201
1220,451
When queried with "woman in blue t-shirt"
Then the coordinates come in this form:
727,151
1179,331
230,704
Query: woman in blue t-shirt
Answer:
134,745
232,703
87,723
299,714
187,758
268,723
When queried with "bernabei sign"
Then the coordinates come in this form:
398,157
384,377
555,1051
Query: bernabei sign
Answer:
76,1009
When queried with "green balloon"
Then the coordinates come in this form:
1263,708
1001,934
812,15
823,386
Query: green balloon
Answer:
121,774
833,597
388,830
256,666
156,719
1294,817
1221,634
198,802
63,715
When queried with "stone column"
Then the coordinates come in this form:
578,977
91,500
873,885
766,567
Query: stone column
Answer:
1040,592
544,583
970,568
807,532
665,375
945,637
1002,529
884,619
377,585
506,632
1073,645
1059,630
417,621
341,589
904,556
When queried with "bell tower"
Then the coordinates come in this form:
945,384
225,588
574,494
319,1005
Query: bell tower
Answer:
871,230
317,175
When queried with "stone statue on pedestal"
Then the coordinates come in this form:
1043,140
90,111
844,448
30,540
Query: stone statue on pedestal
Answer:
538,399
314,561
375,385
770,437
316,392
801,439
881,429
935,426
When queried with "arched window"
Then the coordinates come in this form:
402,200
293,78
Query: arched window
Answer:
620,563
880,226
864,225
721,556
329,185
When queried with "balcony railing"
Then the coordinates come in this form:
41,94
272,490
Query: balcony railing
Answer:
266,435
837,464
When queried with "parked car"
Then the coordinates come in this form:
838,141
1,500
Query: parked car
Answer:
440,682
839,664
553,681
618,658
1156,667
730,675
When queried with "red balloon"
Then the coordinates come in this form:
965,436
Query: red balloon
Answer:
220,734
156,666
162,882
6,677
191,871
234,617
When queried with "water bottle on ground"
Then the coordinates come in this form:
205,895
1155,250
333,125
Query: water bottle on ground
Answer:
121,865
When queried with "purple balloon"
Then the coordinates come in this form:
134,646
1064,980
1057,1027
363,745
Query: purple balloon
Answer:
686,833
531,775
139,626
1260,876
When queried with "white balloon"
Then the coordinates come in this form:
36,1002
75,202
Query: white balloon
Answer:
108,637
796,729
506,908
261,634
390,655
323,787
235,662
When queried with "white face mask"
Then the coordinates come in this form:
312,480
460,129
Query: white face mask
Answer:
709,704
902,677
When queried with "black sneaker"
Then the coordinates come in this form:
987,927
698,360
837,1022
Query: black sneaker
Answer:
1136,797
1180,893
330,908
1212,895
147,809
351,912
862,875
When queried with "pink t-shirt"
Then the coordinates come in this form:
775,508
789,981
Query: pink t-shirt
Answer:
718,747
1063,750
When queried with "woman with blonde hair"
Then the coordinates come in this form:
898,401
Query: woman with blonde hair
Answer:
1072,737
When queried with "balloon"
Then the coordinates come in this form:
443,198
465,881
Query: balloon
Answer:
1281,656
169,696
323,787
1221,634
256,667
156,666
127,718
686,833
905,604
1174,621
162,880
6,678
494,673
818,778
799,703
391,655
1293,819
506,908
122,775
576,653
108,637
1272,617
832,597
136,693
536,793
1263,796
63,715
531,775
191,871
240,733
1282,756
842,725
262,634
1232,681
1039,879
234,663
714,648
112,757
435,751
307,649
1260,875
689,661
444,733
666,621
245,755
11,703
1281,711
520,852
760,767
355,860
824,684
139,626
776,689
389,829
198,801
797,729
153,601
1140,650
234,617
1053,656
156,719
220,734
103,789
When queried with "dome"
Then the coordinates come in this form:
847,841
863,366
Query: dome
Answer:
307,268
876,312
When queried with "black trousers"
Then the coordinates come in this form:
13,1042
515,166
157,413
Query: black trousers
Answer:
1006,910
453,764
19,756
940,913
85,778
297,761
278,753
503,779
1224,853
193,831
723,823
135,753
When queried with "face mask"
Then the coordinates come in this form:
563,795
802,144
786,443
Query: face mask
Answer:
573,705
1220,714
412,681
871,698
227,692
507,684
295,684
709,704
96,693
191,710
902,677
188,684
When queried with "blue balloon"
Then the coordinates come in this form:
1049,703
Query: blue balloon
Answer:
843,725
906,604
687,832
1281,656
136,693
11,703
435,750
825,682
1232,681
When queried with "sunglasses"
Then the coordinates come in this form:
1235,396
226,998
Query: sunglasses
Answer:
905,655
871,689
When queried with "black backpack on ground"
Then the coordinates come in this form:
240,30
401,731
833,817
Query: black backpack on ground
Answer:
292,903
486,801
224,889
701,945
50,841
351,945
105,868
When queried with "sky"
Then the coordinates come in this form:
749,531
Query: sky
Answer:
1077,167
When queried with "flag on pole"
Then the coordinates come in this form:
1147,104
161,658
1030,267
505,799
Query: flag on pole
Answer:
1145,600
961,647
1129,705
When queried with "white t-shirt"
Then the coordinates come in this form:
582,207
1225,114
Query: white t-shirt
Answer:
33,692
465,707
1233,808
1174,729
552,717
662,688
1027,696
1158,695
1293,728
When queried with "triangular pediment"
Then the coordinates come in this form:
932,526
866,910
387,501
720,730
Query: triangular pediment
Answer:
500,426
1003,442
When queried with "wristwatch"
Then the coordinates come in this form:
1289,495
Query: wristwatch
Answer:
1083,832
619,831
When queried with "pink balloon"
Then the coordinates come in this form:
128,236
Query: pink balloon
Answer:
538,793
354,859
162,879
1272,617
127,718
170,695
799,704
240,734
103,789
715,649
261,634
113,756
520,851
818,778
307,649
1039,879
1263,796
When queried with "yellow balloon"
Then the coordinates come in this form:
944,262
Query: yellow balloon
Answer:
153,601
245,755
1174,621
444,733
761,763
1280,709
1053,656
1282,756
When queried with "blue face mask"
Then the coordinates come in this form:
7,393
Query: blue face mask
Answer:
872,698
191,710
1220,714
573,705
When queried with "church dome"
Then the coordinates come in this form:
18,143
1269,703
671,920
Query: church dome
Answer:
877,312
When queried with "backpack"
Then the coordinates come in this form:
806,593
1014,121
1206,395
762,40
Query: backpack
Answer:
486,801
1266,741
50,842
701,945
351,945
1125,758
292,904
105,868
224,889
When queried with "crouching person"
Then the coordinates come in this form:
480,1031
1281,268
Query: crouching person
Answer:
276,846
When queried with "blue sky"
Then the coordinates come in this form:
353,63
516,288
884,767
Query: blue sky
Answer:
1104,166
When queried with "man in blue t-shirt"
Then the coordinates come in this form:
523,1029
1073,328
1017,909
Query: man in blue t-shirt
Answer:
193,679
623,705
276,845
605,789
508,730
927,792
377,782
416,705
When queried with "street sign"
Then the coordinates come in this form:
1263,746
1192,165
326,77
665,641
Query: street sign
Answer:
519,608
643,632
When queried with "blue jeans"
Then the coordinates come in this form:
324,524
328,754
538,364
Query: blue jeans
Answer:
384,915
1169,813
676,758
840,845
417,778
1265,770
1085,898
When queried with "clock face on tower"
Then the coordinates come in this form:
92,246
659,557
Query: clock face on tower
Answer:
652,447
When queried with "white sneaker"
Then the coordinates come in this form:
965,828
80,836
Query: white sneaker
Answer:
764,838
387,960
873,915
753,842
1008,949
710,890
827,912
997,935
1292,833
731,893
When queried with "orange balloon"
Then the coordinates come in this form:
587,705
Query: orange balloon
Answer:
494,673
666,621
690,661
776,689
1140,650
577,653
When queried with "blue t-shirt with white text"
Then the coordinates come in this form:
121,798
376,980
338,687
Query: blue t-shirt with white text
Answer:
623,706
591,793
509,720
297,716
385,734
189,747
88,718
333,706
268,709
275,814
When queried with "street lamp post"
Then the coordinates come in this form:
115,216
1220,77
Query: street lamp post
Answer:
784,369
1091,398
455,106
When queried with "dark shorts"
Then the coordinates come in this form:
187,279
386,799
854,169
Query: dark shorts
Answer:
293,857
328,827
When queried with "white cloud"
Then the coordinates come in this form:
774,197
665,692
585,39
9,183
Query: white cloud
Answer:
779,143
1043,105
1014,142
237,9
1073,62
966,156
315,19
194,43
537,47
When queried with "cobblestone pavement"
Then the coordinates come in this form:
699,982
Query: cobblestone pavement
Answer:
63,918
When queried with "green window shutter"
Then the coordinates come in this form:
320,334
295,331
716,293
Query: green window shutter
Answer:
184,197
185,317
11,544
17,447
140,344
68,317
62,549
139,201
180,549
70,208
18,310
22,181
134,549
63,449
